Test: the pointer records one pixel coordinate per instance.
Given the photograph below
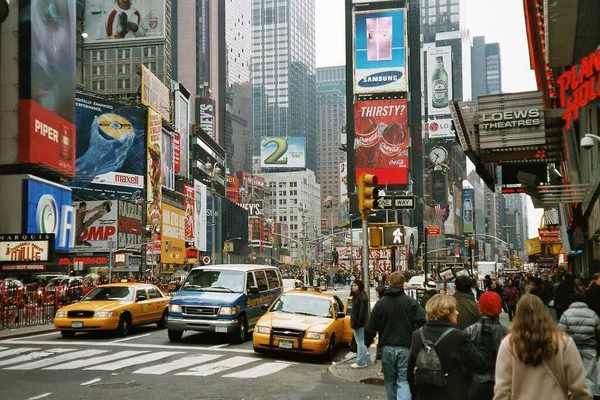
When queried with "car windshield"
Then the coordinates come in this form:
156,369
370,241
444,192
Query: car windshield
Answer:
303,305
215,281
110,293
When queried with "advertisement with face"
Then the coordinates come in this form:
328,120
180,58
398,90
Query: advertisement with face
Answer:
277,152
172,246
47,84
200,209
380,51
439,80
125,20
110,146
189,204
95,225
382,140
154,168
182,125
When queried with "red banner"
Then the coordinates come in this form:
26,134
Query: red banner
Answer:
381,140
177,152
189,203
46,139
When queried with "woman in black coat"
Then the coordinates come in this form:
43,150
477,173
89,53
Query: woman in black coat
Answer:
358,320
592,295
457,353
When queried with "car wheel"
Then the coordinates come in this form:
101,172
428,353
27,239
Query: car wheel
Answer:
175,336
67,334
162,323
124,325
330,349
239,335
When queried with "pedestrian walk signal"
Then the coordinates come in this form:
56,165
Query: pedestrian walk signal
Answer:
393,235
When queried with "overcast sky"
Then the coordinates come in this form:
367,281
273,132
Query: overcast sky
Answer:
498,21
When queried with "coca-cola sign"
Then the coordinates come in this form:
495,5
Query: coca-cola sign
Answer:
25,248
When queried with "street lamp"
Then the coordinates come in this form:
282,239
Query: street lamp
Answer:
303,211
213,173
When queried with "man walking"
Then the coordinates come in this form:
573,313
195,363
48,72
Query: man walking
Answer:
395,316
468,310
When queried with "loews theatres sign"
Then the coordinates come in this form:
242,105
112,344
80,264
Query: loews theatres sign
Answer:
511,119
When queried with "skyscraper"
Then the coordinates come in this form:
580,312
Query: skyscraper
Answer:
485,68
283,73
331,114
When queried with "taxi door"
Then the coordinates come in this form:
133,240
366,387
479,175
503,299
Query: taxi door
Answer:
141,307
253,310
348,332
157,304
341,325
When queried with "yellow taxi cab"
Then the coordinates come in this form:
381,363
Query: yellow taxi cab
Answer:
303,320
117,307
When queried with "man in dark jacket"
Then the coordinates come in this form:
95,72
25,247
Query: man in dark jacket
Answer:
468,311
395,317
430,291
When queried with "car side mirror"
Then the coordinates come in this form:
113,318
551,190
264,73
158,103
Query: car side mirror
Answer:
264,307
140,297
253,290
340,315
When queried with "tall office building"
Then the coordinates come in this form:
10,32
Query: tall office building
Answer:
283,73
486,75
331,114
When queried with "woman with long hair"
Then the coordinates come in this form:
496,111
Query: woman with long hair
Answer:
358,320
536,360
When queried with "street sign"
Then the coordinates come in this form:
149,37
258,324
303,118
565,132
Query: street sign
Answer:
432,230
393,235
396,202
206,260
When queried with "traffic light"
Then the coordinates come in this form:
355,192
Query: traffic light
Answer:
375,236
467,244
368,194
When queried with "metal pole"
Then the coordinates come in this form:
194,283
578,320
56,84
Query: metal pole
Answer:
365,256
471,257
110,261
425,257
508,243
214,222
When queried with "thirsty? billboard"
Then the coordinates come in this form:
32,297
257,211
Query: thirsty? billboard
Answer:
95,225
277,152
439,80
110,145
382,139
380,51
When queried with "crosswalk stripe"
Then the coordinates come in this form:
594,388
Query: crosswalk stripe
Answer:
58,359
220,366
133,361
33,356
260,370
14,352
96,360
178,364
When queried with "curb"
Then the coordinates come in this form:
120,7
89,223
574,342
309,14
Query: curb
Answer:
369,380
333,371
17,334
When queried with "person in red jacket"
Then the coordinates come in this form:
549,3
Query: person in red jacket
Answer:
511,297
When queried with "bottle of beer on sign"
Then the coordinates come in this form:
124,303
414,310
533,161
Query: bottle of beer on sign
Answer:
439,84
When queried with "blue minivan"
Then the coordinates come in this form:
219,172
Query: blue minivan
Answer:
228,299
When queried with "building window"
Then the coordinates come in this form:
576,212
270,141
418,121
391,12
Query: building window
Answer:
124,68
98,70
97,85
151,66
124,53
150,51
123,83
98,55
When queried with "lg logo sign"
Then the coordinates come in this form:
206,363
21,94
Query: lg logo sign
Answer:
49,219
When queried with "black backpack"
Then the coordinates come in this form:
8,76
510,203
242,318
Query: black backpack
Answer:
428,367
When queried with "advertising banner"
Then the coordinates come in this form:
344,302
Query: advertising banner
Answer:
95,225
49,210
20,248
343,181
172,246
533,246
106,20
439,187
47,85
182,125
440,128
189,204
129,226
155,94
276,152
154,168
439,80
467,208
200,219
205,116
382,140
380,51
110,145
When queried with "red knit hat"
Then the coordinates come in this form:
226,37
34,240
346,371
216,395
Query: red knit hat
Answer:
490,304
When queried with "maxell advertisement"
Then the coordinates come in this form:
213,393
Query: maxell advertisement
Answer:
382,139
95,225
380,51
172,246
154,168
155,94
439,80
200,209
124,20
277,152
189,204
129,226
205,116
47,84
182,126
467,209
110,146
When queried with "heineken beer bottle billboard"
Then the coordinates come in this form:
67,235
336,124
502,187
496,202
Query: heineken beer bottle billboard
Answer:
439,81
439,85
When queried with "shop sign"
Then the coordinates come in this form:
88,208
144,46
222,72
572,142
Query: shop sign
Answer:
88,261
550,235
23,267
253,209
578,86
511,119
26,247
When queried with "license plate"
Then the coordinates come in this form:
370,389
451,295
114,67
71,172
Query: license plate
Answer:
286,344
221,329
77,324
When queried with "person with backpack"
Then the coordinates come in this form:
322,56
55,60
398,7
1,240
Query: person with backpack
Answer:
441,355
482,382
394,317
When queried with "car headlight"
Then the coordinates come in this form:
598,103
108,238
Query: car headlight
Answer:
316,335
174,308
263,329
104,314
228,310
61,314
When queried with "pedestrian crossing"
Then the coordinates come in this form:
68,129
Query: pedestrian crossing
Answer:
143,362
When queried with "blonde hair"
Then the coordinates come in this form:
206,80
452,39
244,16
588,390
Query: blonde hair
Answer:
439,307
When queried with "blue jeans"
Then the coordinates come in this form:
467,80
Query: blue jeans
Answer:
361,349
590,362
395,364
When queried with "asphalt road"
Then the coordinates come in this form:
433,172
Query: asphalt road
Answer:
147,365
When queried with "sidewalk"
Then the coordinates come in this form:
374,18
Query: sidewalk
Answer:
26,331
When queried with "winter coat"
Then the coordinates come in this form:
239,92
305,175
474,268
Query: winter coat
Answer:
395,316
457,354
428,294
360,310
468,310
511,295
582,324
592,298
516,380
